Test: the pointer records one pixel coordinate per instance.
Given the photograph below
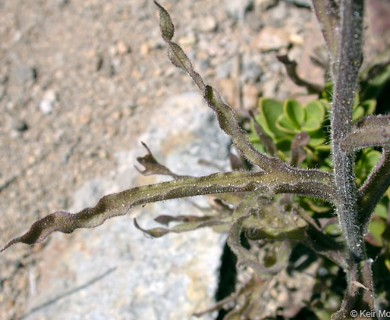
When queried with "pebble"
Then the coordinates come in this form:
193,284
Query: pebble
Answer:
122,48
254,21
145,49
228,88
2,91
271,39
250,96
296,39
62,3
19,125
251,72
238,8
266,4
224,69
300,3
187,40
208,24
49,101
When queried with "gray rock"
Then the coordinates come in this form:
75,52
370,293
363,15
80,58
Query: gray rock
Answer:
23,74
238,8
19,125
115,271
251,72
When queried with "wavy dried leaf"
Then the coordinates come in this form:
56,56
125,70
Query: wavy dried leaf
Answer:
228,123
298,153
180,60
118,204
291,69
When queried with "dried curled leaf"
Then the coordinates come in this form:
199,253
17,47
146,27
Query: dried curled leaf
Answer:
166,219
152,166
291,68
184,227
298,154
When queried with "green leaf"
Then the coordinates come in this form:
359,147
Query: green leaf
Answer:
377,227
287,126
315,116
318,139
369,107
294,112
381,210
270,110
358,113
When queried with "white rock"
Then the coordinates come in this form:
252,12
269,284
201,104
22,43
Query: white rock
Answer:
137,277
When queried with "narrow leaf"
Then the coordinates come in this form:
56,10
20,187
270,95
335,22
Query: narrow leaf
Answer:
184,227
327,12
166,25
373,131
228,123
118,204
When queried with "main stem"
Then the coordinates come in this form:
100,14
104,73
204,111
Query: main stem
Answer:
345,78
346,70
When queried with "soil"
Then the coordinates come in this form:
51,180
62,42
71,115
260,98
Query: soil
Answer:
79,80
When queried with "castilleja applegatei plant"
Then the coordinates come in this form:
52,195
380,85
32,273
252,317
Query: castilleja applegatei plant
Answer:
250,200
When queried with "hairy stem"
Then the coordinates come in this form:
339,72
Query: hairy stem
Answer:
348,64
359,292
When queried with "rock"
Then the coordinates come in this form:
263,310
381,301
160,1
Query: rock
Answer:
115,271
